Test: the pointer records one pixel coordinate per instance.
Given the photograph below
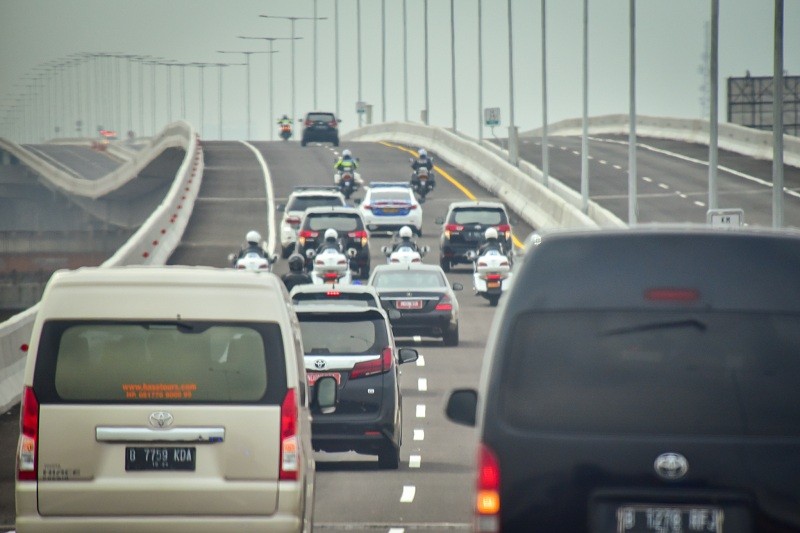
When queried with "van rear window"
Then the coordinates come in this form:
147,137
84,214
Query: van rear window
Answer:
653,373
180,362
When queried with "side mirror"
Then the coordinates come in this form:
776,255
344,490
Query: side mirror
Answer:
457,286
352,252
439,220
231,257
280,207
310,253
472,255
273,258
462,406
408,355
326,394
357,201
386,250
424,249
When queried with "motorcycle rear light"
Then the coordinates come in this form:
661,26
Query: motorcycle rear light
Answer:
493,277
293,220
290,462
341,262
483,264
333,294
28,454
240,267
487,501
375,366
263,267
416,260
331,275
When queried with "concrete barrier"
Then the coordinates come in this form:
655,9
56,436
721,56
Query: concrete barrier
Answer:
539,206
732,137
152,244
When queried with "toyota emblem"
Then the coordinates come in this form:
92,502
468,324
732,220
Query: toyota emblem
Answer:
160,419
671,466
319,364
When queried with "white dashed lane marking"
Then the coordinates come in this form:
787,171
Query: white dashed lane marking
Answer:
421,360
618,167
419,434
648,180
663,185
408,494
421,410
414,461
603,162
422,384
700,204
397,530
576,152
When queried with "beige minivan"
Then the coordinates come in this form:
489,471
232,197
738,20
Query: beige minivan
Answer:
165,399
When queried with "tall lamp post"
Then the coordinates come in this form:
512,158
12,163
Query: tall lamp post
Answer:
247,54
221,66
293,20
271,78
202,67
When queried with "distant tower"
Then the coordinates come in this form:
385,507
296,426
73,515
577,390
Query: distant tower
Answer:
703,70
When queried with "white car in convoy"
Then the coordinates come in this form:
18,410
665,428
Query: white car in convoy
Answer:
301,199
388,206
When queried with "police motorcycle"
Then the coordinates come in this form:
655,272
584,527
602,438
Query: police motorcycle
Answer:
347,180
330,265
491,274
253,261
286,131
421,182
404,254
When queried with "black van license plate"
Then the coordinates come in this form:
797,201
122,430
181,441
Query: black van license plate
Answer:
152,458
668,519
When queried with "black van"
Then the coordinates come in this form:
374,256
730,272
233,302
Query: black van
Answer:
643,380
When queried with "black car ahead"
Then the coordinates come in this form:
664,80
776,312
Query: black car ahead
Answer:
423,297
347,222
464,226
355,346
643,380
320,126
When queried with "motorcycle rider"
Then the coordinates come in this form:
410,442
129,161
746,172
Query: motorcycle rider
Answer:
422,161
490,242
253,240
331,242
285,123
405,241
296,274
346,163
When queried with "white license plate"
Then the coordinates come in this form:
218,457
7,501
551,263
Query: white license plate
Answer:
668,519
313,377
408,304
160,458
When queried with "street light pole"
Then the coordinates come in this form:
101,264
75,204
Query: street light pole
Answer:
405,62
453,60
221,66
202,67
480,71
512,133
247,55
427,93
383,60
632,185
358,33
585,131
336,50
271,41
293,20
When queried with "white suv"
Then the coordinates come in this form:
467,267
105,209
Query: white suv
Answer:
301,199
165,398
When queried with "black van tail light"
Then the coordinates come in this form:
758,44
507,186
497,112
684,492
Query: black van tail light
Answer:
374,366
290,460
487,498
28,453
672,294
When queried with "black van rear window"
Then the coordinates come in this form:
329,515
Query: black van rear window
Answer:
653,373
181,362
340,334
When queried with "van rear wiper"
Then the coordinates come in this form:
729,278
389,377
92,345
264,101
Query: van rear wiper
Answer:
676,324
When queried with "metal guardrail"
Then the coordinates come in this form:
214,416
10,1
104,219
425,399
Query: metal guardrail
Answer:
152,244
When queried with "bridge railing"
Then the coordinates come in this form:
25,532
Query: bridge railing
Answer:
151,244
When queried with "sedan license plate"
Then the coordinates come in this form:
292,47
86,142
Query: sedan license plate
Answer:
313,377
153,458
389,210
668,519
408,304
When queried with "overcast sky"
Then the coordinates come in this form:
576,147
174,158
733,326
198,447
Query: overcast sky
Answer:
670,48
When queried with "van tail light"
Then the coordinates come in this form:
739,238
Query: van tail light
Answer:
487,498
308,123
333,124
302,235
290,460
444,304
375,366
28,453
452,228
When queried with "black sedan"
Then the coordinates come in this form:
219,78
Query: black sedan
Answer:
423,297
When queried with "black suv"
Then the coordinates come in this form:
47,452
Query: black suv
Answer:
464,226
354,345
643,380
347,222
320,126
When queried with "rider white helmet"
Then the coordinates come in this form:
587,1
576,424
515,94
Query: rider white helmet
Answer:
405,232
347,153
490,233
423,153
253,237
331,234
